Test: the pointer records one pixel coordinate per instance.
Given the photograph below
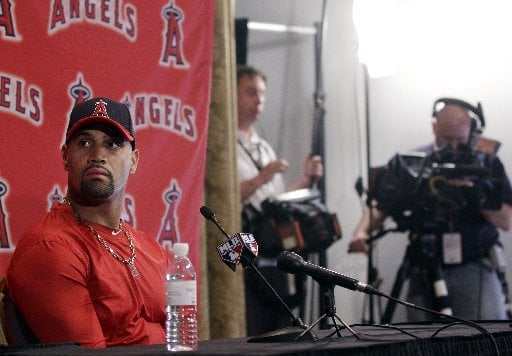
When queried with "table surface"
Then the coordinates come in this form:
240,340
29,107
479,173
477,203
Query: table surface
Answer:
369,340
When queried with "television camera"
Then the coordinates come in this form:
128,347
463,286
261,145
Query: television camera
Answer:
421,191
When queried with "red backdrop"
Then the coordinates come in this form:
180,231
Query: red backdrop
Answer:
154,56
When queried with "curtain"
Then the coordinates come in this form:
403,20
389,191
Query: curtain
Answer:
222,303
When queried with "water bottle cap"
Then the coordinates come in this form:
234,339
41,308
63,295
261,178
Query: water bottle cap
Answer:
180,248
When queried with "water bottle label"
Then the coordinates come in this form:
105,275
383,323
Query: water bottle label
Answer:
181,292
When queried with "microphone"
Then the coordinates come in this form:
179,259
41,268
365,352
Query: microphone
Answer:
239,248
243,248
210,215
292,263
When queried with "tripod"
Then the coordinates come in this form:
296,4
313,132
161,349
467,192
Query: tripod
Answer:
421,252
329,312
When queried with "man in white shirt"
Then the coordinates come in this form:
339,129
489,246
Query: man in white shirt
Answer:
260,173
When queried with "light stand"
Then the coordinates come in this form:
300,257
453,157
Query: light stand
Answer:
371,271
318,144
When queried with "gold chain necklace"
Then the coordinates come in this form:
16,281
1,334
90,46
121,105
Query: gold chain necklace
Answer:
130,262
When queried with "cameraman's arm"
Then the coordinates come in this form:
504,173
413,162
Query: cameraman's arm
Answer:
500,218
361,235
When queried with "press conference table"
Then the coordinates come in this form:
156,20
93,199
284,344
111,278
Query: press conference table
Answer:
454,340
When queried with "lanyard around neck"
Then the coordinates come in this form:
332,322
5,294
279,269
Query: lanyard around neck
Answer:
257,164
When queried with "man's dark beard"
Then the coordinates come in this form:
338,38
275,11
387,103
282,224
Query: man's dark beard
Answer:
96,189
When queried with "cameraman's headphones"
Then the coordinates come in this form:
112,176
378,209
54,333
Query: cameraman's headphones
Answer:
476,114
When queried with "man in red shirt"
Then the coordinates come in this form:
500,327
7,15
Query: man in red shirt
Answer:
81,274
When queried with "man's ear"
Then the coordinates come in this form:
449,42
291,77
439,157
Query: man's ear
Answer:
64,152
135,161
434,129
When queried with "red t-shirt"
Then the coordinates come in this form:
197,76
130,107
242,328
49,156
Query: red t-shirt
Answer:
71,289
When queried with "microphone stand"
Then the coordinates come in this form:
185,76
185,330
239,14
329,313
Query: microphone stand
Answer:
291,333
329,312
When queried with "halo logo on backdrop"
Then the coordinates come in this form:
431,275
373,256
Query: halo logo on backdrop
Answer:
128,215
8,21
169,232
173,38
55,197
79,91
4,231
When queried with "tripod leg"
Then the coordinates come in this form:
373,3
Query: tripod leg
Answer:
352,331
369,298
330,311
402,275
431,262
433,292
309,328
440,290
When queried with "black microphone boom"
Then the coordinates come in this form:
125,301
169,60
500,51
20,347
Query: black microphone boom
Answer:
292,263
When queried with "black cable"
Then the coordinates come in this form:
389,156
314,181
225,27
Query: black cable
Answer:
392,327
457,323
446,327
388,326
441,315
456,320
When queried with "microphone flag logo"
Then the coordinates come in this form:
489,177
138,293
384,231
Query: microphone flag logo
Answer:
249,243
230,251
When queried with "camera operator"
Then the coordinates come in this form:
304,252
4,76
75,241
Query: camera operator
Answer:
464,221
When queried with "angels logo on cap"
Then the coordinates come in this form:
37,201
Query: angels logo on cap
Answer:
100,109
103,110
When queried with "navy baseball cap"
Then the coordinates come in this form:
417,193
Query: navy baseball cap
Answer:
103,110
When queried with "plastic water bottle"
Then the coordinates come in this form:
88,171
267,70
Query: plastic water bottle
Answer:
181,296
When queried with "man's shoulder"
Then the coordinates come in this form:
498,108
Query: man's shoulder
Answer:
419,151
54,218
55,225
428,148
411,158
